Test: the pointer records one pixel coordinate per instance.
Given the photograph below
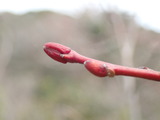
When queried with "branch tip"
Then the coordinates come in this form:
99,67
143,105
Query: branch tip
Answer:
64,54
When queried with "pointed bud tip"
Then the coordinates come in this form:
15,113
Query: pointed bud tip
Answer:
44,47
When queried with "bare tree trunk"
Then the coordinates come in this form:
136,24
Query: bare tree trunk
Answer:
127,53
6,50
126,37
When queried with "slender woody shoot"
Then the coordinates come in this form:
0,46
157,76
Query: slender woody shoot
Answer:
99,68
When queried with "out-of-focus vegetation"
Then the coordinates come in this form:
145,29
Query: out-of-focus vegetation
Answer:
34,87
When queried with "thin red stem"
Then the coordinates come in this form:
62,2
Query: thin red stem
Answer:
64,54
137,72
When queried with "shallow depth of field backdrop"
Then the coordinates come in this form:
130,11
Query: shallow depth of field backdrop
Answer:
34,87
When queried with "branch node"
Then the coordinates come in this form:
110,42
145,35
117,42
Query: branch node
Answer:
110,72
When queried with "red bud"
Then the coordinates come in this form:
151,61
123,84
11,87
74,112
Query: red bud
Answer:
96,68
54,50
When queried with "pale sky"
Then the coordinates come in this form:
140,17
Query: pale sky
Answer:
146,11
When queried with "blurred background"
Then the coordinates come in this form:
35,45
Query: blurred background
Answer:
34,87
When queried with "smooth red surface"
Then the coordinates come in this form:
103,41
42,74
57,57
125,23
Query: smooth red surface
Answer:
54,50
96,68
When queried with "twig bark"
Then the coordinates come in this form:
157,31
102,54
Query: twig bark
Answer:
99,68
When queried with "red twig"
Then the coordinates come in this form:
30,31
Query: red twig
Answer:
64,54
